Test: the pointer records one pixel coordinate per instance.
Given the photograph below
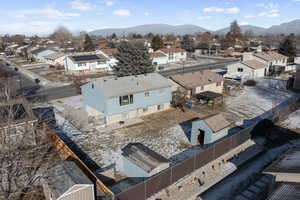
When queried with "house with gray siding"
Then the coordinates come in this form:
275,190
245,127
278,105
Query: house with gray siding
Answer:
119,99
208,130
141,162
40,54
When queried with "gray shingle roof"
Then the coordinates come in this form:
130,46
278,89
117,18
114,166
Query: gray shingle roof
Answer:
196,79
143,157
62,177
270,56
217,122
114,87
254,64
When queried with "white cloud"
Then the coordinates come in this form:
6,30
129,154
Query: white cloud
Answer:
146,14
122,12
48,12
81,5
203,17
270,10
233,10
213,9
109,3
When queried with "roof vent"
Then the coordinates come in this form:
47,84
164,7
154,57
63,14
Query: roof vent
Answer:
116,78
104,80
209,80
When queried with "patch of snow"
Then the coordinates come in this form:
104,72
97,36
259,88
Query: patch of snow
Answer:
293,122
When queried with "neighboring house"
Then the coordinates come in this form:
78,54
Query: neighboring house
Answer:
249,69
88,62
66,181
175,54
273,60
209,130
40,54
159,58
199,82
17,122
120,99
141,162
109,54
55,59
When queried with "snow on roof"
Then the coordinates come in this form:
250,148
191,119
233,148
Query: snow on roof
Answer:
143,157
254,64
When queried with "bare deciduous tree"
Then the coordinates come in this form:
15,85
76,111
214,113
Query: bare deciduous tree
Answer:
24,149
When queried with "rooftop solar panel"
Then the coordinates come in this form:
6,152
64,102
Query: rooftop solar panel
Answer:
85,58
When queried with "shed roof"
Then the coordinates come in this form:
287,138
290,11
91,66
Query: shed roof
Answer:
254,64
270,56
196,79
217,122
114,87
143,157
65,175
287,163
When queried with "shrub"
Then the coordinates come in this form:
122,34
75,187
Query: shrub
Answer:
250,82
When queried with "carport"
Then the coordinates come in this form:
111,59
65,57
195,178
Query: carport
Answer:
210,97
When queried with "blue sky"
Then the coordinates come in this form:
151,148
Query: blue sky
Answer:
42,17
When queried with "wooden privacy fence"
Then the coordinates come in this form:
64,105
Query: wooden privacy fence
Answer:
156,183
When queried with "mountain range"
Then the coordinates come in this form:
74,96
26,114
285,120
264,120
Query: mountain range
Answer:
285,28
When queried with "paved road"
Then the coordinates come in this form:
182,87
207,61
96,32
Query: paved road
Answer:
35,92
217,65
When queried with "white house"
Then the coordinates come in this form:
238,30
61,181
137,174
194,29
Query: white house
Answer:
55,59
272,59
175,54
87,62
159,58
248,69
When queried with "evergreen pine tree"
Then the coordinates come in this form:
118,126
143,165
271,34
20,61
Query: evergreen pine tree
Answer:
187,43
133,59
288,47
88,44
157,43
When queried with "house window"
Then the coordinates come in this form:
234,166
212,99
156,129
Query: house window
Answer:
240,69
146,94
182,53
219,84
202,87
160,107
100,62
81,64
171,56
125,100
145,110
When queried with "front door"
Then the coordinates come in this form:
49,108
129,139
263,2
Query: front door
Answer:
201,137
